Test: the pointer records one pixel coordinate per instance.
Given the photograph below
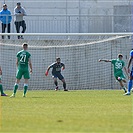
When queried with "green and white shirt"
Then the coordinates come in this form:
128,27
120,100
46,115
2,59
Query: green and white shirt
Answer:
23,59
118,66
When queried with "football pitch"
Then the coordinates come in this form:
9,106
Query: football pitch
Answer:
79,111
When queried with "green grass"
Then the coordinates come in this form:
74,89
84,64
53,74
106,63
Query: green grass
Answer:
87,111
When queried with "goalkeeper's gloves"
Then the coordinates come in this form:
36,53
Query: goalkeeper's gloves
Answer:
46,73
63,68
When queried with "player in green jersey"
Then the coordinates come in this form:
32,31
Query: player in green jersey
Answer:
1,87
118,64
22,62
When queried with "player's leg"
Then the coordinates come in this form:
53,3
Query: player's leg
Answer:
18,77
56,83
26,78
63,81
1,89
124,80
25,87
15,87
64,84
121,79
54,76
130,84
122,85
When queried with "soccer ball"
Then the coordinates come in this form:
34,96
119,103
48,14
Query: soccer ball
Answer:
119,78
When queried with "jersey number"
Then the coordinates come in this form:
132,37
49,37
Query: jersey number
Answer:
23,58
118,65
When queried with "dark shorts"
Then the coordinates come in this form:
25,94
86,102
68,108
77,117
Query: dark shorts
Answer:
57,75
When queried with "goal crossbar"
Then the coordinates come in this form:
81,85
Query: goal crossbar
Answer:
70,34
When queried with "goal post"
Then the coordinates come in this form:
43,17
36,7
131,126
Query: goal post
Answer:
79,52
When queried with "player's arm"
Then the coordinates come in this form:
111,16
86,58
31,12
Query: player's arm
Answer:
129,63
105,60
51,66
63,66
30,64
46,73
17,62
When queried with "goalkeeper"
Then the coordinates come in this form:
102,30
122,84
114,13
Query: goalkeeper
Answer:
1,87
118,64
22,62
56,72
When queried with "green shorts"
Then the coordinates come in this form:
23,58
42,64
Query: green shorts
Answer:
122,76
24,73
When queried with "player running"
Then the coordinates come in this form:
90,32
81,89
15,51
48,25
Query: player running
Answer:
56,72
22,62
131,73
1,87
118,64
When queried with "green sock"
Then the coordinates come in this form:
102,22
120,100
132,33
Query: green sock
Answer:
25,89
15,88
1,89
124,88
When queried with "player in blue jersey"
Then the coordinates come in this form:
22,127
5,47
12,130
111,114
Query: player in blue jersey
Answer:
56,72
131,73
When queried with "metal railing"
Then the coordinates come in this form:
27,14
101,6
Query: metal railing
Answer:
76,23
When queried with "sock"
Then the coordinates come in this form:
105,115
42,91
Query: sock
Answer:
25,88
64,85
1,89
56,83
124,88
129,85
15,88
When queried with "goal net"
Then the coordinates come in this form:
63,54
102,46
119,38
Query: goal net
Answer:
79,52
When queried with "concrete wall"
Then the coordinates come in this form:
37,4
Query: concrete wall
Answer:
75,16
